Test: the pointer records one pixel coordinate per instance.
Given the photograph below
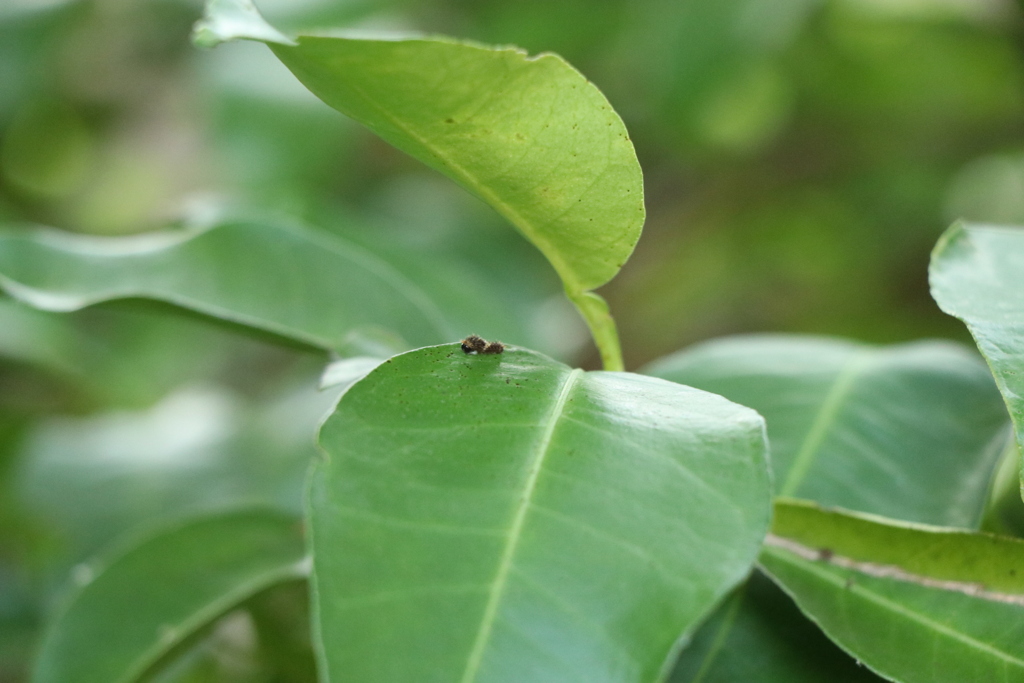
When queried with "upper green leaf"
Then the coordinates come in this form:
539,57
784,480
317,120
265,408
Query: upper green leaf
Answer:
528,135
274,277
137,606
916,604
977,275
911,431
559,525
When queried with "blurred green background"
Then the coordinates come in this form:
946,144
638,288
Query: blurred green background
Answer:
801,158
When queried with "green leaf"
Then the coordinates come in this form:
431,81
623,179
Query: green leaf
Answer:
759,635
977,275
277,278
914,603
506,518
90,479
233,19
141,603
912,431
38,339
528,135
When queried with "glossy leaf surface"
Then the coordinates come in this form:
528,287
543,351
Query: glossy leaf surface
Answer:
914,603
977,275
277,278
912,431
138,605
561,525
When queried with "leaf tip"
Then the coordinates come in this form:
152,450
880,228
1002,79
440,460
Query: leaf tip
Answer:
226,20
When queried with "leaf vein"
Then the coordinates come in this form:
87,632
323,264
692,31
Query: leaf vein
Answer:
500,583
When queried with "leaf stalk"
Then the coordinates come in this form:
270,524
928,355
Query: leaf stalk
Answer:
599,319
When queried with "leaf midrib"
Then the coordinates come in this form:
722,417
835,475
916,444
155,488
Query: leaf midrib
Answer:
500,583
721,635
825,418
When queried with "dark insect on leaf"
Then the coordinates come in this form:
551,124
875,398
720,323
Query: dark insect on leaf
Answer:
494,347
474,344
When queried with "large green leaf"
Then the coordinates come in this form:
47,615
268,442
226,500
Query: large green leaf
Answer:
506,518
274,277
529,135
912,431
914,603
140,604
977,275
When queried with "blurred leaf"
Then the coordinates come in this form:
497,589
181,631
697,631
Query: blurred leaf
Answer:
1005,513
19,620
46,150
126,355
708,71
759,635
36,338
93,478
142,602
275,140
226,652
486,278
914,603
347,371
273,277
282,621
988,190
912,431
561,525
977,275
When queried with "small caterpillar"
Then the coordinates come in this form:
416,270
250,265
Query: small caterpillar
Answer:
494,347
476,344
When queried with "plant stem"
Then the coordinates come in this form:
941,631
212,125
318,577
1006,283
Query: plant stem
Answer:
599,319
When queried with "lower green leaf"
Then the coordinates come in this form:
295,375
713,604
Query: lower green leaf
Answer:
504,518
140,604
759,635
914,603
